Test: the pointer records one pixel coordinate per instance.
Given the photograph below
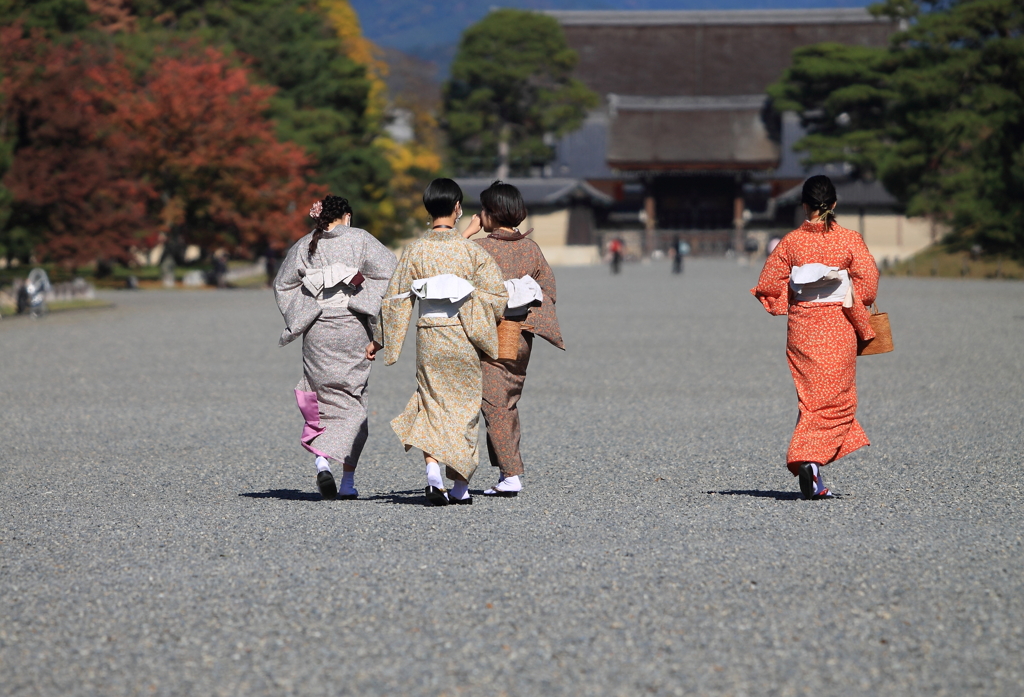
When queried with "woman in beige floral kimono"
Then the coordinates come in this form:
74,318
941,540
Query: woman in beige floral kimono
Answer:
461,294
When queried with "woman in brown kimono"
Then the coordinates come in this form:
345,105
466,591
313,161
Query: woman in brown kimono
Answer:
460,295
531,286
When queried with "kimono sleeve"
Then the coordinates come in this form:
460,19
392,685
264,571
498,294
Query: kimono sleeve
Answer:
773,284
377,266
544,276
396,309
544,318
297,306
480,314
863,271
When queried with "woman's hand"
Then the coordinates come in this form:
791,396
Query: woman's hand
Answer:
371,350
475,225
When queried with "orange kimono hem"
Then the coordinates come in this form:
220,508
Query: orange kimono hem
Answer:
821,349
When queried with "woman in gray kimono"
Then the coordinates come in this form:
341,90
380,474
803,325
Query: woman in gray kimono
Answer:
329,290
461,294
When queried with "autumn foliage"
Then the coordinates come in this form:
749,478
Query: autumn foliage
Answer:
203,143
105,159
72,175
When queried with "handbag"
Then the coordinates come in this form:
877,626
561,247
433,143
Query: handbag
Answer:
882,343
509,331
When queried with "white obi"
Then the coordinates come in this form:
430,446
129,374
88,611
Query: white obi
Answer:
440,296
326,284
522,292
817,283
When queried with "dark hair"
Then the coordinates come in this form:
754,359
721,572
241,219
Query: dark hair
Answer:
504,204
332,208
820,195
441,197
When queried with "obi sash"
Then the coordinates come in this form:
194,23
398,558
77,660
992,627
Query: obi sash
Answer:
818,283
440,296
522,292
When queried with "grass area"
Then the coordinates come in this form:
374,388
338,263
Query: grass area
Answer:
60,306
940,262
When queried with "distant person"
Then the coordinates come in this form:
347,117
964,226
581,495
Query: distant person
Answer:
460,295
823,276
772,244
678,250
220,269
615,249
329,290
271,262
531,286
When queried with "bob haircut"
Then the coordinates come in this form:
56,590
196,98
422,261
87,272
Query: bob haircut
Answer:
441,197
504,204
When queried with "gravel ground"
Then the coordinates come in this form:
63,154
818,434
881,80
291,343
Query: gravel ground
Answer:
160,531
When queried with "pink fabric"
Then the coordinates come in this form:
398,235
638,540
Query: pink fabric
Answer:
310,409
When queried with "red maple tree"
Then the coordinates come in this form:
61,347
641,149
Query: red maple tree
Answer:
209,151
72,177
106,159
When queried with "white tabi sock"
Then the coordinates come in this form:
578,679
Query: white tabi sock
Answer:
509,484
348,484
322,464
506,484
460,490
434,475
819,481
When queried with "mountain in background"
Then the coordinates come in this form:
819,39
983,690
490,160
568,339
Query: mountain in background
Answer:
430,30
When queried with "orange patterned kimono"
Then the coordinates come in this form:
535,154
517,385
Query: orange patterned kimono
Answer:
822,339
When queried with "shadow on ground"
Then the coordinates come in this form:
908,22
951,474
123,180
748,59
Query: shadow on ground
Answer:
777,495
284,495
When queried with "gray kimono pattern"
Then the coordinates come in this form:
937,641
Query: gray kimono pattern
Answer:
335,325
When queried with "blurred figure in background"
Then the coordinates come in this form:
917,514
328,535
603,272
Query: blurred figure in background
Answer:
615,249
678,250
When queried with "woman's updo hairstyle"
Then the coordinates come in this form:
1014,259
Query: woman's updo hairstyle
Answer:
820,195
504,204
441,197
331,208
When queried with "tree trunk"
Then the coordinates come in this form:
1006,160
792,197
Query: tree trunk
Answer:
504,136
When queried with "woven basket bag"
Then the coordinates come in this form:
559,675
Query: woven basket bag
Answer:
882,343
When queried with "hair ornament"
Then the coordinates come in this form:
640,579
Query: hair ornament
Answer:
315,211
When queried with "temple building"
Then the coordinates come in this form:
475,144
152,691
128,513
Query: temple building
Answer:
680,143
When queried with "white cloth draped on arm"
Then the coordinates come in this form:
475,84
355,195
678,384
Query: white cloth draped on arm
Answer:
522,292
818,283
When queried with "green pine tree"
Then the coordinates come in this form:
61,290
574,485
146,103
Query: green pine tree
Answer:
938,116
511,85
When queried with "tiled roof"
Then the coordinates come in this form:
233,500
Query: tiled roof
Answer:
712,17
689,133
536,191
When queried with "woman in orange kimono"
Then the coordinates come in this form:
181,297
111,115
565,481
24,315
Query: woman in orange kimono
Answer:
823,276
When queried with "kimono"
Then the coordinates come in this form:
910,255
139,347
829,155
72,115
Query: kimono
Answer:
517,257
821,344
331,300
442,417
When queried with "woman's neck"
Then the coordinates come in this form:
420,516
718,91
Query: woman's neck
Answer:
448,223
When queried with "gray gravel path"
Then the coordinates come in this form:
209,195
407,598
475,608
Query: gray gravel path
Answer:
160,533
